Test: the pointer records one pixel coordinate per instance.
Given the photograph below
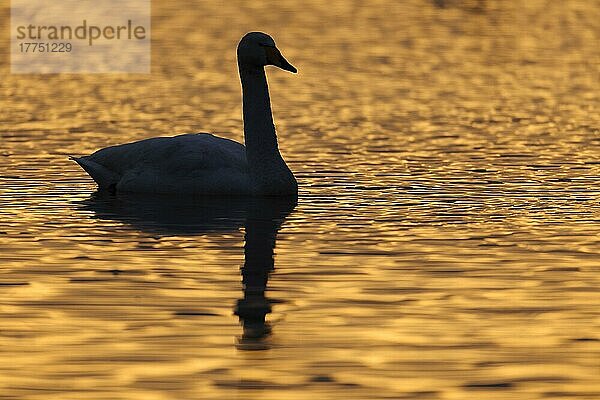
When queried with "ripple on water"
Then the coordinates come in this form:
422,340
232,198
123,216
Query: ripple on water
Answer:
445,242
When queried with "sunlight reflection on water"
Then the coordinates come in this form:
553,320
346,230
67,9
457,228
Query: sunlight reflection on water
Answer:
445,243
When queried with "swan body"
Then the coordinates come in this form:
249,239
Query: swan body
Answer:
192,164
201,163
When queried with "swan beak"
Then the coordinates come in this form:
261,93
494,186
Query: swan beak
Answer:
275,58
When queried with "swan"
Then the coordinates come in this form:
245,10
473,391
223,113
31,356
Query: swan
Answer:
201,163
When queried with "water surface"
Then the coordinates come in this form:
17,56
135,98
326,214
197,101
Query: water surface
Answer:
445,243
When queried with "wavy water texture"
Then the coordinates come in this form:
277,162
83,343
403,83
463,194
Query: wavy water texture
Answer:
445,243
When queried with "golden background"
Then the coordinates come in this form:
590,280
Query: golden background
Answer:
446,241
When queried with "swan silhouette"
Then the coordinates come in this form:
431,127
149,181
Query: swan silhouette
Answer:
261,217
203,164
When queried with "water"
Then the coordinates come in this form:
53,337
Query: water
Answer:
445,243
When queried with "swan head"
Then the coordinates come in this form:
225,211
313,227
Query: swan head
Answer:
257,50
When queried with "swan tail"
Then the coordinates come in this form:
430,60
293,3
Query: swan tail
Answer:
105,178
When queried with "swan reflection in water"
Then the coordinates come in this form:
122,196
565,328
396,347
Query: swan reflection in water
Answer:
166,215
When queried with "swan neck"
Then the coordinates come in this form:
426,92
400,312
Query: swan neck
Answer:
259,131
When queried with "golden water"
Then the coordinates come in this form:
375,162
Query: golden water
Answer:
445,244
